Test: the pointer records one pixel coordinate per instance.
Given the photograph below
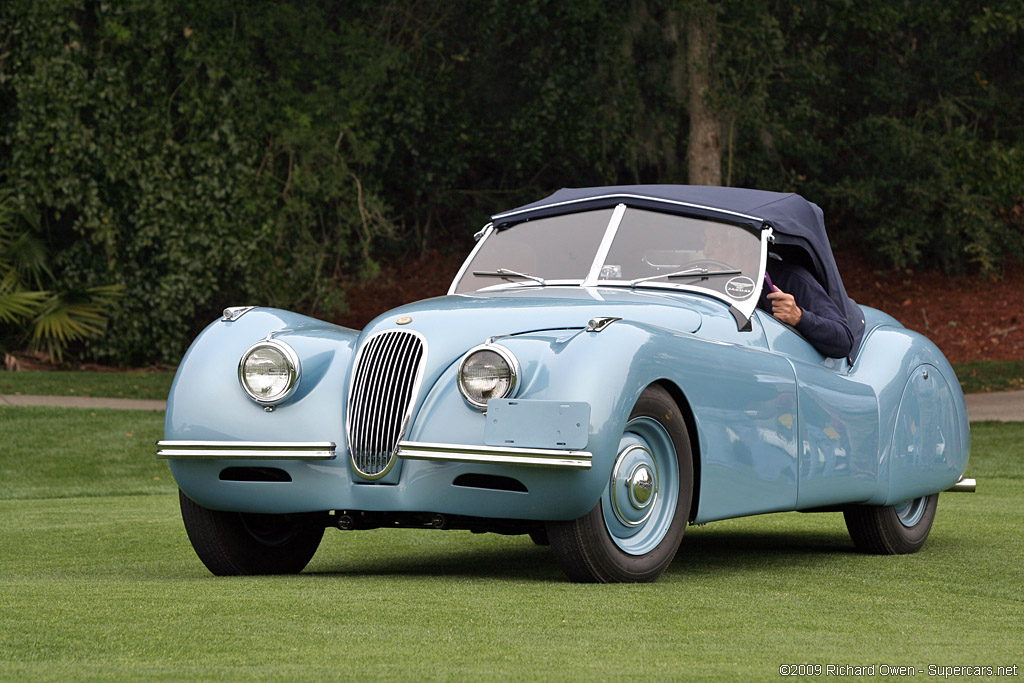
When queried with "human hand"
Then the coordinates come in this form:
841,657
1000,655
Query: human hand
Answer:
784,307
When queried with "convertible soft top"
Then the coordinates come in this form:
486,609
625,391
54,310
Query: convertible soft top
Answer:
796,223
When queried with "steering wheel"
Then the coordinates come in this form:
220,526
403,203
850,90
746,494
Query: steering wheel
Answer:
710,264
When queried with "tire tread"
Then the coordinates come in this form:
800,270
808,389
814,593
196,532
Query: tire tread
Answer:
582,546
876,530
226,547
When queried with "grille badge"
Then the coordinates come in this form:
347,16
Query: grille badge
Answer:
404,320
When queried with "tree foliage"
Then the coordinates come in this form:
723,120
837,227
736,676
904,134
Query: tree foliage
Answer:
201,154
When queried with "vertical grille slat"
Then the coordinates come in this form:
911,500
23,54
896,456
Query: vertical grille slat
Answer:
391,377
392,415
380,398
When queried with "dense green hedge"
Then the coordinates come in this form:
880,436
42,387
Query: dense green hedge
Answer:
205,154
166,146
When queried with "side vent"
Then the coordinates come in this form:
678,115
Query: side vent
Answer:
492,482
254,474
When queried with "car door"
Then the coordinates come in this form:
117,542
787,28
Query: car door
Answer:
837,423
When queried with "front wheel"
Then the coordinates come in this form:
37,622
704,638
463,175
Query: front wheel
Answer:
891,529
240,543
633,532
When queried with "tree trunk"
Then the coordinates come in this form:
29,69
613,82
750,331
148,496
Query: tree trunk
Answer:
704,151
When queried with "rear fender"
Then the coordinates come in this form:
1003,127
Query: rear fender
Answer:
924,433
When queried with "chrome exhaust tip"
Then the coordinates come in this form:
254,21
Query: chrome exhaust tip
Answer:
963,486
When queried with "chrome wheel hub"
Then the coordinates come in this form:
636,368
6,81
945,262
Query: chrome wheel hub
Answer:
641,486
634,485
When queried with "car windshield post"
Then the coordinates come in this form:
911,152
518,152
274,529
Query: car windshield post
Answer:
606,244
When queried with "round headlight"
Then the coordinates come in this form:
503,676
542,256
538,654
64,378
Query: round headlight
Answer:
269,371
487,372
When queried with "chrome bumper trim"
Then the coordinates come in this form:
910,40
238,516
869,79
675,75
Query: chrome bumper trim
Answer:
963,486
492,455
251,450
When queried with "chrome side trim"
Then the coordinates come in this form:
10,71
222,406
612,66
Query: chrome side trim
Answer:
251,450
963,486
492,455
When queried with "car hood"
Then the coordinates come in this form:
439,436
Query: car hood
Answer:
455,323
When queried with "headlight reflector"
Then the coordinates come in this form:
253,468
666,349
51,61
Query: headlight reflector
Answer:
269,371
488,371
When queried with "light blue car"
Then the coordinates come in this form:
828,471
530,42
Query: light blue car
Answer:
598,376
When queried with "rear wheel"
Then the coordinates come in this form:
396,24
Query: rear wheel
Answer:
241,543
633,532
891,529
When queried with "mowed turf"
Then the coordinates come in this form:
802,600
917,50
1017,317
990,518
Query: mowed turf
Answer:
98,581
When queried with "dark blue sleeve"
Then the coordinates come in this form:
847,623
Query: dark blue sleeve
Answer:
822,324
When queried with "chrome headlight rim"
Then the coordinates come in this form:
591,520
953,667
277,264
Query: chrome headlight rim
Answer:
294,371
510,360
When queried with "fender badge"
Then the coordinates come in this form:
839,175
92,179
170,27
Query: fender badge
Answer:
404,320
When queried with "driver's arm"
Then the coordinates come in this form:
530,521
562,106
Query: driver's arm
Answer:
804,304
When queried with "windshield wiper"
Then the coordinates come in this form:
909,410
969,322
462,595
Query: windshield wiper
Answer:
505,272
689,272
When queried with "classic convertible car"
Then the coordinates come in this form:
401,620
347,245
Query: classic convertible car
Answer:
598,377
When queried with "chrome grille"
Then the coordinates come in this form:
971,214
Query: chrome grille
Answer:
384,382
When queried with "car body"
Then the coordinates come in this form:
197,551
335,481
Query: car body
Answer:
598,376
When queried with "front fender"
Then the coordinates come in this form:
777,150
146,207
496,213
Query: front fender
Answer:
206,402
603,370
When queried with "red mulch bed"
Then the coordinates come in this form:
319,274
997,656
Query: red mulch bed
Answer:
968,317
417,278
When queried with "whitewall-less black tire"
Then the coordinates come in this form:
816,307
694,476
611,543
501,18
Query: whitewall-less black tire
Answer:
633,532
236,543
891,529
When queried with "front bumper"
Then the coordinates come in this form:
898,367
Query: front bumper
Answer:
450,479
409,450
495,455
247,450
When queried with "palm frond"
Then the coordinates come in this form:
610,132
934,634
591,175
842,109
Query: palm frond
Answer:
27,254
72,316
18,305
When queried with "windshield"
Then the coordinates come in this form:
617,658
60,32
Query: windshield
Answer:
658,249
622,247
559,250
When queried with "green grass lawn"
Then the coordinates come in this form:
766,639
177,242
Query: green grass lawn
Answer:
138,385
98,581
